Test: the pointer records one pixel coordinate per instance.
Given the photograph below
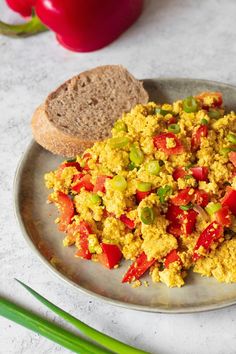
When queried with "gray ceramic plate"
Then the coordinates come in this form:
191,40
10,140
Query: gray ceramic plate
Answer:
36,219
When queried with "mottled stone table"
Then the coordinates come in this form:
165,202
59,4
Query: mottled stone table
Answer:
184,38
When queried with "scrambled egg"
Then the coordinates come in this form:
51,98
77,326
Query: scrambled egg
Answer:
154,191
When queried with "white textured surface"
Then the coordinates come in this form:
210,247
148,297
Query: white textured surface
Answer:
172,38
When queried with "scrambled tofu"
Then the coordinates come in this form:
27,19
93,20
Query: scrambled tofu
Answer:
160,192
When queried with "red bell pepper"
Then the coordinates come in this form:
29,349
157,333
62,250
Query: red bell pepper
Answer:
23,7
85,230
160,142
85,182
211,234
175,229
179,172
201,197
188,221
200,173
111,255
100,184
171,257
173,213
138,268
223,216
232,157
85,26
200,133
79,25
128,222
66,208
184,197
142,195
182,221
70,164
172,120
229,199
215,98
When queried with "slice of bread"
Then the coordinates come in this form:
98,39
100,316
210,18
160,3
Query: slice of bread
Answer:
84,109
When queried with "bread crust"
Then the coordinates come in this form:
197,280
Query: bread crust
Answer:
61,142
53,139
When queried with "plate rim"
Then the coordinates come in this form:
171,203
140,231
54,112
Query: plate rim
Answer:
66,280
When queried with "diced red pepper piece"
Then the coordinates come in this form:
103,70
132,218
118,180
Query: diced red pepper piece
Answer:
201,198
172,120
138,268
171,257
229,199
78,177
174,229
211,234
182,222
184,197
84,182
179,172
160,142
66,208
173,213
216,99
188,221
70,164
232,157
142,195
200,173
100,184
201,132
111,255
83,251
84,230
87,156
223,216
128,222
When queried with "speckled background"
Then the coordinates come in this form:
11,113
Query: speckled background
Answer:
184,38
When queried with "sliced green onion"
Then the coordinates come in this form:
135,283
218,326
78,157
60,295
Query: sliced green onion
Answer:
163,112
174,128
186,207
147,215
131,166
118,142
95,199
226,151
204,121
212,208
92,333
214,113
47,329
136,156
120,126
190,104
71,160
144,186
153,167
164,192
188,176
231,138
119,183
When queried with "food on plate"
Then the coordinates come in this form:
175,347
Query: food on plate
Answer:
161,193
84,109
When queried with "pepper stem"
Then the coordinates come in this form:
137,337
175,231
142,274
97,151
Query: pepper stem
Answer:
27,29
